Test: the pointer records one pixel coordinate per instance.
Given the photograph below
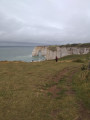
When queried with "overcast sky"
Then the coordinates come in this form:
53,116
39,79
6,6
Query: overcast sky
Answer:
45,20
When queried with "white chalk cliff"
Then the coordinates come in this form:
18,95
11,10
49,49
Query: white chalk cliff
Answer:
59,51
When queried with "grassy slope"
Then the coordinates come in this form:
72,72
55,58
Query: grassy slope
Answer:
44,91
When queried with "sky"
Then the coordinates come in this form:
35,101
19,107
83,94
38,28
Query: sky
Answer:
45,21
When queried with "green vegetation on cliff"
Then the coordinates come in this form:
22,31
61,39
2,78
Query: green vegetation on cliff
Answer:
45,90
77,45
53,47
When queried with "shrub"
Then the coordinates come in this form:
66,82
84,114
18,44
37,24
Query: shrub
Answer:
84,67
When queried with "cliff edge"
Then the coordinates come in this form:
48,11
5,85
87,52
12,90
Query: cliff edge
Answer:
50,52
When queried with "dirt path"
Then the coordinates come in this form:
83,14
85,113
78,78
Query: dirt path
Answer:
54,89
70,72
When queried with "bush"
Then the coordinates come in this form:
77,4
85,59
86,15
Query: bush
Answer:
84,67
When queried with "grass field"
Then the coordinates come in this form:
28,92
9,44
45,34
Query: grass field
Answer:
45,90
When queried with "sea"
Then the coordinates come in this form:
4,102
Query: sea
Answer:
18,53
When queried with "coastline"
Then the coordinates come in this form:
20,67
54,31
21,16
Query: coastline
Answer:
6,61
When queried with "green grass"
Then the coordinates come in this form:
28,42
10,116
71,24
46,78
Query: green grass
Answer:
81,83
85,57
25,95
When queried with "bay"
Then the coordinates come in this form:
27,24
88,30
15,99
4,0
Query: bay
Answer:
16,53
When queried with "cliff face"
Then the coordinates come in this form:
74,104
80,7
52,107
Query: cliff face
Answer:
59,52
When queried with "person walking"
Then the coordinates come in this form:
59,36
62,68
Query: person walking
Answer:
56,58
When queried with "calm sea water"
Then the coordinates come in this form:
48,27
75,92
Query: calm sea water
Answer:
18,54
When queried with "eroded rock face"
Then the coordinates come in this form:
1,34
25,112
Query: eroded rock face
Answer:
36,51
60,51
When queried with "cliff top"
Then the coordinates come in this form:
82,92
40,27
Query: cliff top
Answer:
77,45
53,47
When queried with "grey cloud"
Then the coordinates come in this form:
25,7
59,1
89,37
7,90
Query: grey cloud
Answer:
9,25
45,20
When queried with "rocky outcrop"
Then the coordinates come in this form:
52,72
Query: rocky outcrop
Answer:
59,51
